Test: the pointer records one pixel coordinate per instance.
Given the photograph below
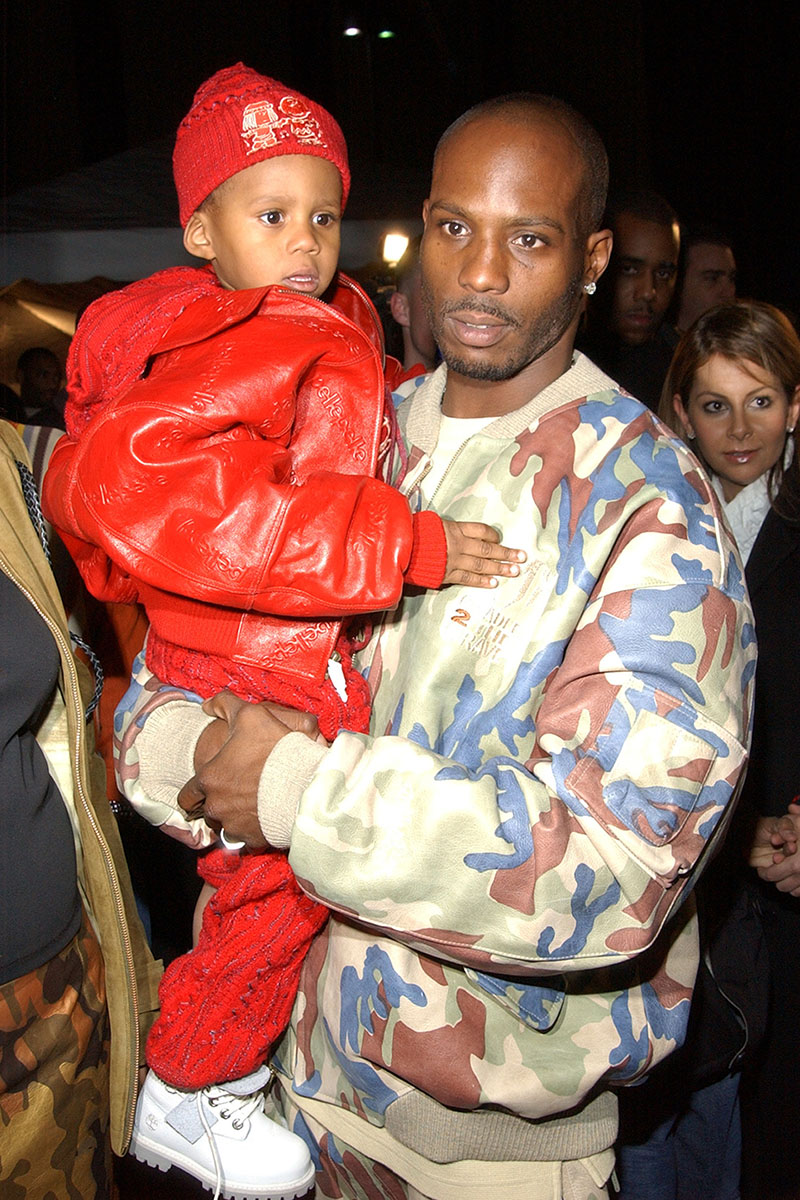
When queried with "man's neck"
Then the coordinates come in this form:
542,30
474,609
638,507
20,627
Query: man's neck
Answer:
465,397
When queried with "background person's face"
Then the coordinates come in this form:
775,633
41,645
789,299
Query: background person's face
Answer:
644,263
710,279
740,414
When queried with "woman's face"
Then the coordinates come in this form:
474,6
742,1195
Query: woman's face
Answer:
740,415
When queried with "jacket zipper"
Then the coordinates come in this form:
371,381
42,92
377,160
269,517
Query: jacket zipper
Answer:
71,678
447,471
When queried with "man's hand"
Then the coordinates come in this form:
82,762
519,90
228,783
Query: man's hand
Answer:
229,759
475,557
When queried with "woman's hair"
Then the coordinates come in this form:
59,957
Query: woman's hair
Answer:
744,330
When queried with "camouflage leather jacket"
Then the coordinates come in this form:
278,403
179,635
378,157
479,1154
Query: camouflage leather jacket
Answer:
506,854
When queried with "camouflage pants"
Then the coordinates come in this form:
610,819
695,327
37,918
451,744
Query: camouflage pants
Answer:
54,1107
343,1173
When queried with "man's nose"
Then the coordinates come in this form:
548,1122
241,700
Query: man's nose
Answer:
646,285
483,267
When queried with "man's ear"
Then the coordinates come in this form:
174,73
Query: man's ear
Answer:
398,306
197,237
598,252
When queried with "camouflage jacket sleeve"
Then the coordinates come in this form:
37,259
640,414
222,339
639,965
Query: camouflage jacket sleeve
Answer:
550,769
156,728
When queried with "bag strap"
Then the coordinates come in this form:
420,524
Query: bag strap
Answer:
33,504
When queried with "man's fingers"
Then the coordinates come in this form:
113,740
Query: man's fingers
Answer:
292,718
224,705
191,798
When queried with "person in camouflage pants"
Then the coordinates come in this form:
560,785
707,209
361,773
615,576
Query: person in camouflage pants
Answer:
507,852
54,1077
78,985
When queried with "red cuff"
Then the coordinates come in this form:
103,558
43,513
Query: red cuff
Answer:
428,561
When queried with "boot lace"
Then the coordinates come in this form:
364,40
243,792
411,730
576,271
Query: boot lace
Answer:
229,1107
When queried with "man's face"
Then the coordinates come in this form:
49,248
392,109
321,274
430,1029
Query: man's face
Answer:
644,265
502,260
710,279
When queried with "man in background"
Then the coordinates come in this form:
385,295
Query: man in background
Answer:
408,313
628,333
707,274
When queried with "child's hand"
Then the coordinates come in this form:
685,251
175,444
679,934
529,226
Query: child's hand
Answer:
475,557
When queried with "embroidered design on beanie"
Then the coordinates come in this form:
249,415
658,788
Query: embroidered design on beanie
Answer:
263,127
239,118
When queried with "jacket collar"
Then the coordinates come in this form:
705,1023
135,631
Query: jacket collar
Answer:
582,378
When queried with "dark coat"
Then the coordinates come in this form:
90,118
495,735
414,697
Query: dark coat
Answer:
770,1091
773,579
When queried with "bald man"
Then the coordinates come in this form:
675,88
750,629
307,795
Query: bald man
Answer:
505,855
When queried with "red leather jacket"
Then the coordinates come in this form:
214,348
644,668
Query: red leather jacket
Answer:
231,489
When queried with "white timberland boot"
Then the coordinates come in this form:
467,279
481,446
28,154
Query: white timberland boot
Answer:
222,1136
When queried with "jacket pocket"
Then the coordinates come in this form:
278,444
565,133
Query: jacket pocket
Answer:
532,1003
662,788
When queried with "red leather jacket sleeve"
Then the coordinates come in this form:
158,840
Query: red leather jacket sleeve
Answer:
239,470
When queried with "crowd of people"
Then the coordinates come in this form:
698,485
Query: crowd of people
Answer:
453,667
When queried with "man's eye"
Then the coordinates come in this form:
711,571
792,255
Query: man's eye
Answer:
665,273
529,241
454,228
273,217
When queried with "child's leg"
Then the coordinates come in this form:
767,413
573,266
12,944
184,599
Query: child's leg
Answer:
226,1002
222,1006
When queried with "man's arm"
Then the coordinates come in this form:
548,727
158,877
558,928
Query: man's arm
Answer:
550,824
569,858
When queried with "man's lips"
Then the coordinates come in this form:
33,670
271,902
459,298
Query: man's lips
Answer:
477,328
640,319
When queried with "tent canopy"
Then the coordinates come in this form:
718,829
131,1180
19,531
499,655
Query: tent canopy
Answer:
42,314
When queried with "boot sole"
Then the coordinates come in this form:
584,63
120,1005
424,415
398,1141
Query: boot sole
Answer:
154,1156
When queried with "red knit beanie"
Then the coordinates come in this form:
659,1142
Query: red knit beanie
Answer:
239,118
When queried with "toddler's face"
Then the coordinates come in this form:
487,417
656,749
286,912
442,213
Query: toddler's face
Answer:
278,221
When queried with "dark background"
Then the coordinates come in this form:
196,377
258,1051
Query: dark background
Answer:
696,100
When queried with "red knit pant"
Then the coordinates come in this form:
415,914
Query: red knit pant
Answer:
225,1003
